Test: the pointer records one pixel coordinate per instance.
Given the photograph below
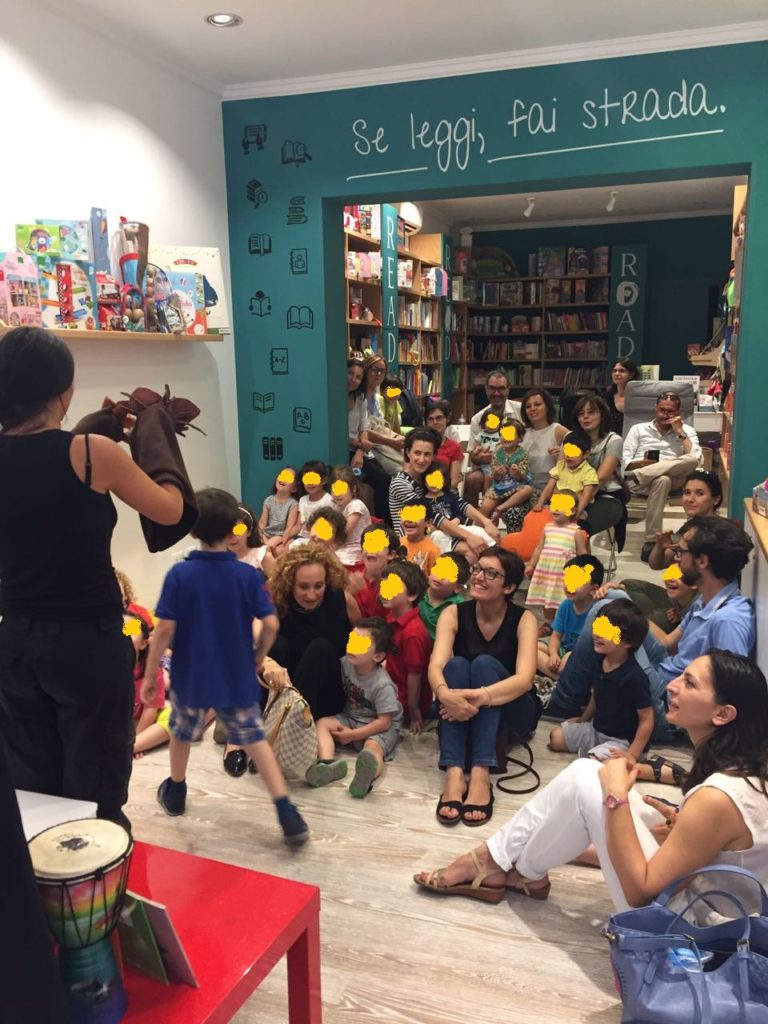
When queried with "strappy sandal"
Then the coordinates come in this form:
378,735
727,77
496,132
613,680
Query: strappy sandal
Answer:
474,889
657,762
486,809
542,893
454,805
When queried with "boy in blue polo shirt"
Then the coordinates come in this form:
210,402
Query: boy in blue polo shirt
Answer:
208,612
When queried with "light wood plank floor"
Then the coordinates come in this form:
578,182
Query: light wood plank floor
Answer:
391,953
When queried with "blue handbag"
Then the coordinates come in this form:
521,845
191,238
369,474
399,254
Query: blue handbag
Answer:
669,971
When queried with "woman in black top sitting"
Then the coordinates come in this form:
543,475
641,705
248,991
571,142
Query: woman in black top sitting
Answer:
481,671
624,370
66,668
316,616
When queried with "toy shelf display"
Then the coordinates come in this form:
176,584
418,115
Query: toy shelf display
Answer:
123,336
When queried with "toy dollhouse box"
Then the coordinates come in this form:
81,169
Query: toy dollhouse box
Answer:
68,293
19,291
205,261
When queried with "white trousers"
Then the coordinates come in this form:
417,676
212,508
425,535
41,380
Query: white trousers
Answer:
559,823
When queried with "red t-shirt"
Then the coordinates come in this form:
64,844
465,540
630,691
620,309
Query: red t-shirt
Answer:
138,705
413,647
449,451
369,601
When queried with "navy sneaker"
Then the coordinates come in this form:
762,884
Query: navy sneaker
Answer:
295,829
172,797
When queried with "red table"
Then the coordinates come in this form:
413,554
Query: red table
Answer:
235,925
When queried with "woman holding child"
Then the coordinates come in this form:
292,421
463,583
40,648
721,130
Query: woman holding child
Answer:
721,700
592,416
481,672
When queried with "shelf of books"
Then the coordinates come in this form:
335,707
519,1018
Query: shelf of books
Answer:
362,255
731,339
525,324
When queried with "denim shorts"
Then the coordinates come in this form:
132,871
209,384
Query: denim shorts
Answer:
243,725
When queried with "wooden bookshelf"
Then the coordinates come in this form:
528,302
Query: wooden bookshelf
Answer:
123,336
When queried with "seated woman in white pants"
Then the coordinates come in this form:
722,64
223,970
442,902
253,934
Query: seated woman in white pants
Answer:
721,700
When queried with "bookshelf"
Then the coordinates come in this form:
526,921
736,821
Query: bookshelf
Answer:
730,354
549,330
362,274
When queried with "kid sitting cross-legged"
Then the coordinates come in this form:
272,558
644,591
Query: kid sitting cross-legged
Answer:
571,473
402,587
313,478
380,545
419,549
582,576
207,612
372,714
463,528
618,721
344,490
446,585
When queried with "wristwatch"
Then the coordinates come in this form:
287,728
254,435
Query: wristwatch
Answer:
612,802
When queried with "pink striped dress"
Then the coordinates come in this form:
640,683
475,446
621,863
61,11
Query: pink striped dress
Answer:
546,589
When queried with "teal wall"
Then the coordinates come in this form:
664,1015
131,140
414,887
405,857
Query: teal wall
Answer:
651,117
686,257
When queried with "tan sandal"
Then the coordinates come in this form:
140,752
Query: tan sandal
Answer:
522,887
474,889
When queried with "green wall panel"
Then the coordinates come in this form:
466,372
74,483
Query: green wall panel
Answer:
651,117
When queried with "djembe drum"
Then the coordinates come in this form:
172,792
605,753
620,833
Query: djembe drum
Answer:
81,869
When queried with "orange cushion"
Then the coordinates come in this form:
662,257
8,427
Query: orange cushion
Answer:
524,542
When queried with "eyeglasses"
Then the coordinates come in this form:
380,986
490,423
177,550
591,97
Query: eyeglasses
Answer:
377,369
488,573
677,551
498,387
673,395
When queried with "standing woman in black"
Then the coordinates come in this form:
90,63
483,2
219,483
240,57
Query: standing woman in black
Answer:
66,669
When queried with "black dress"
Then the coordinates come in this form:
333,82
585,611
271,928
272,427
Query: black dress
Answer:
617,418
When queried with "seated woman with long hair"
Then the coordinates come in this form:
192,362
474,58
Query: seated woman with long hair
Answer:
721,700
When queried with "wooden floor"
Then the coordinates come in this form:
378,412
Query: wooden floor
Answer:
391,953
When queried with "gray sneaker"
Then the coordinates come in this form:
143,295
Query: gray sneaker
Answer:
323,772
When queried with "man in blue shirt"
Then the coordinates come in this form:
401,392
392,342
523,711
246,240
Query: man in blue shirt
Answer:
711,553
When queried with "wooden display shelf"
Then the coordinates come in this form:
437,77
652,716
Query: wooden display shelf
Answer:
504,334
365,240
125,335
576,332
570,305
370,282
530,305
363,323
576,359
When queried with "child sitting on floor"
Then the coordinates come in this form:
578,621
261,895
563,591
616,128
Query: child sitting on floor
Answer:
402,587
582,576
419,549
560,541
327,526
344,491
380,545
372,713
510,477
280,513
152,719
313,495
463,528
446,585
618,721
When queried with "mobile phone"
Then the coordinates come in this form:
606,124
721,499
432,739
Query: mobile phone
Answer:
653,454
669,803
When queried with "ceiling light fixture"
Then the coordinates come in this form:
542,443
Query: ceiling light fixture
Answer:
529,208
612,197
224,20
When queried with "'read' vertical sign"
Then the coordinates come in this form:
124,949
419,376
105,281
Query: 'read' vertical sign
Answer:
627,317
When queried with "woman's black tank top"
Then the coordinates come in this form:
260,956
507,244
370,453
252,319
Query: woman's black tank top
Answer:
55,534
470,642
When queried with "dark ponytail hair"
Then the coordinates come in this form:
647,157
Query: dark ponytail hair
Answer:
35,366
739,747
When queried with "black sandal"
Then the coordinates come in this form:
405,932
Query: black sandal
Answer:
487,810
657,762
455,805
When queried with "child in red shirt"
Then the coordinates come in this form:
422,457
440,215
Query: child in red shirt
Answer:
402,587
450,452
380,545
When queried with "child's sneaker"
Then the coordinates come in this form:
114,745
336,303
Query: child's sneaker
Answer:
172,797
323,772
366,767
295,829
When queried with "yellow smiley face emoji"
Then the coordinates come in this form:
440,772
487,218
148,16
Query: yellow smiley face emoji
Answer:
563,503
393,393
311,479
672,572
132,628
572,451
575,576
413,514
322,529
391,586
239,529
508,433
375,542
492,421
606,630
358,643
286,476
339,488
446,569
435,481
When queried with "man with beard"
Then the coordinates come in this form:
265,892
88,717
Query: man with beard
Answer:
711,552
481,447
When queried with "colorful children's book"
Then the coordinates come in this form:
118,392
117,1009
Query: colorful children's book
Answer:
206,261
19,290
74,243
35,240
67,293
150,943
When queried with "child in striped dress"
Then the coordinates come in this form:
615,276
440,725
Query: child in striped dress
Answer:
560,541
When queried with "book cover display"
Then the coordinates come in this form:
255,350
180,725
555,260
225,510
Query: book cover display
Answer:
19,290
205,261
67,293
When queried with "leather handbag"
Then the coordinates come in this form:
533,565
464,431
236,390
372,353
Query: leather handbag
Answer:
670,971
290,730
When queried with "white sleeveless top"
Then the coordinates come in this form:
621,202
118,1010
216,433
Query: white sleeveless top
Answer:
753,805
537,443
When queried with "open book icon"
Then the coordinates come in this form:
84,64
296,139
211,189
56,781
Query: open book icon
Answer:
295,153
300,316
263,402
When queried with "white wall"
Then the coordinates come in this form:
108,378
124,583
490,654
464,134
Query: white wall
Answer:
95,125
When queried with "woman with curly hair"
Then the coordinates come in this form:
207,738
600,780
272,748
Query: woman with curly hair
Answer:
316,616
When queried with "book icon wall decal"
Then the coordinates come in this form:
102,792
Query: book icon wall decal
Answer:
263,402
299,317
256,193
294,153
254,135
260,244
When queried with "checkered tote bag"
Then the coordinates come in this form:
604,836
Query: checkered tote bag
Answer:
290,729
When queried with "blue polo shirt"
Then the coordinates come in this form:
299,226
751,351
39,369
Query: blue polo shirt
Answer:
569,623
213,598
727,621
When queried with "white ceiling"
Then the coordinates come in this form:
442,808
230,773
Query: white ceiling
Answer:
306,39
698,196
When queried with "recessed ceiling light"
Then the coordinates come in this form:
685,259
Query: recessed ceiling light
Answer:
224,20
